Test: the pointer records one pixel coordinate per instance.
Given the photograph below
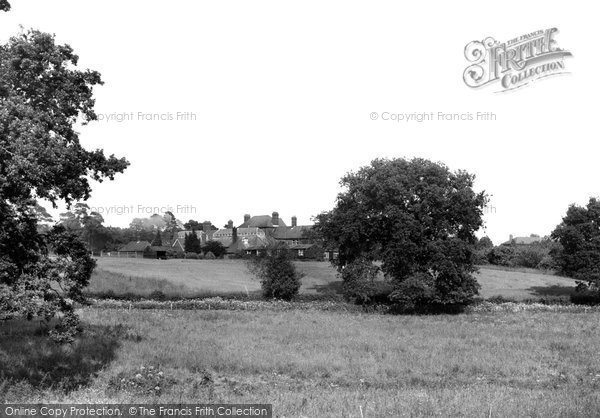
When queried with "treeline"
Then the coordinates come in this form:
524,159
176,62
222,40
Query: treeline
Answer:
538,255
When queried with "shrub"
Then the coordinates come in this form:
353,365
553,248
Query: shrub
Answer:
358,280
586,293
546,263
216,248
502,255
209,256
530,256
191,256
277,274
157,295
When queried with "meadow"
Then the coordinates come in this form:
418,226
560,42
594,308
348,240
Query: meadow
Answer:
306,360
191,278
315,363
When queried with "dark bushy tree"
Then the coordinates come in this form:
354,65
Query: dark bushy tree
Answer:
157,241
579,235
42,95
277,273
192,243
418,218
216,248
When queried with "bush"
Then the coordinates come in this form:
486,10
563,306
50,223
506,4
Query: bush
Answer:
191,256
157,295
209,256
530,256
277,274
586,293
546,263
216,248
358,280
502,255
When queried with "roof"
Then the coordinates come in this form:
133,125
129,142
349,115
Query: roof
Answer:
221,233
262,221
301,246
249,243
525,240
134,246
157,248
294,232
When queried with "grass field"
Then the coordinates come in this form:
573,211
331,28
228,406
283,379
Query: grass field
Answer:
317,364
190,277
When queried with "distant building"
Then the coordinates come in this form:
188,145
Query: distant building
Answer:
532,239
134,249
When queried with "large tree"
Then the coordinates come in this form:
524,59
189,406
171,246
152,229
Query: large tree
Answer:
42,96
418,219
578,256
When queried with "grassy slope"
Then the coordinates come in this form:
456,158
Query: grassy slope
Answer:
189,276
326,364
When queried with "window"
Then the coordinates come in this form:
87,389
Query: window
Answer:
300,253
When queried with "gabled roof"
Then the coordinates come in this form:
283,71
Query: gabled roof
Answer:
249,243
134,246
262,221
294,232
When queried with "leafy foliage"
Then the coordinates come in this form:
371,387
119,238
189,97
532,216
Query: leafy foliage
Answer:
417,217
579,254
192,243
42,94
277,273
359,280
216,248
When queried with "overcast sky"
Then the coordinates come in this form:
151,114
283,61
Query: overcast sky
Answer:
282,92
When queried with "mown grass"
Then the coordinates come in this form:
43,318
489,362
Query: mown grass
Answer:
198,278
314,363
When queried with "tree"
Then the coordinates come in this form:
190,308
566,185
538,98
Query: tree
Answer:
193,225
277,273
579,235
157,241
417,218
4,5
192,243
485,243
42,95
216,248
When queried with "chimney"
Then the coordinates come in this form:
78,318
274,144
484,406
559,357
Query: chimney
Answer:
246,218
510,237
230,224
234,235
294,221
206,227
275,219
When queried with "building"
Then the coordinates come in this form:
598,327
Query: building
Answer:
532,239
134,249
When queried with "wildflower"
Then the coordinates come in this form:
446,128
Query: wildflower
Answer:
157,388
138,376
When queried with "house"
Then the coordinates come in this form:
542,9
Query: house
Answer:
158,252
264,222
205,235
134,249
532,239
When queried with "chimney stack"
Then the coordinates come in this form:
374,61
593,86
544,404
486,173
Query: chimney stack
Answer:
275,219
206,227
246,218
294,221
234,236
230,224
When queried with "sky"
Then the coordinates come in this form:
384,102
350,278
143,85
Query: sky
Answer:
265,105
